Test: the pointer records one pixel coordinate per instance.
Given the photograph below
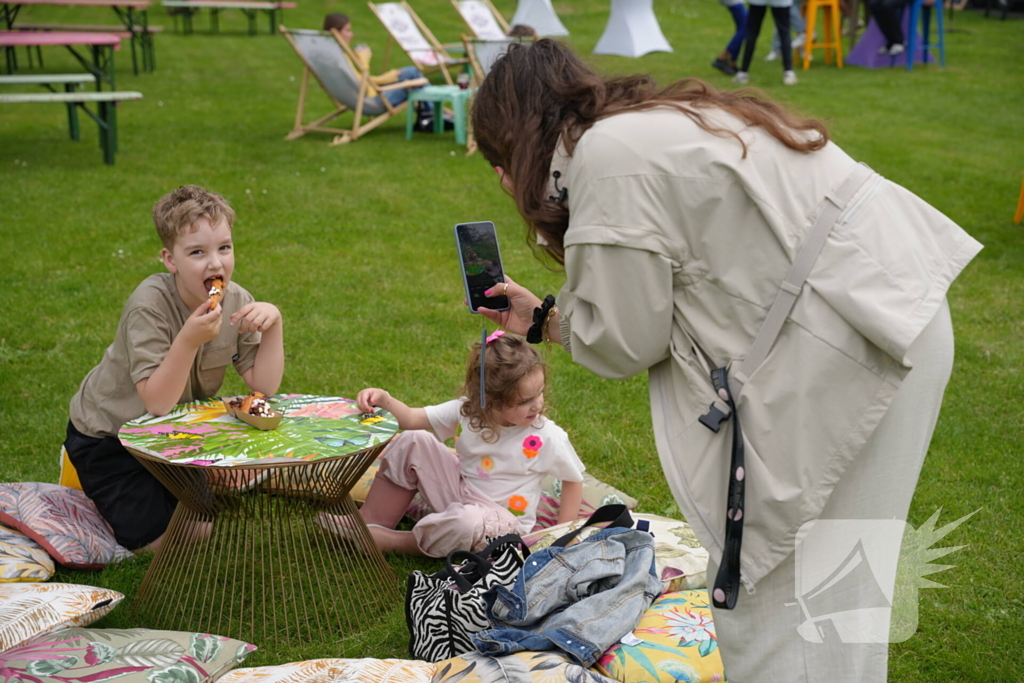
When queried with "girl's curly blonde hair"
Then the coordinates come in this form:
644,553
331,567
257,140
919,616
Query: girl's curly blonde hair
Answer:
507,362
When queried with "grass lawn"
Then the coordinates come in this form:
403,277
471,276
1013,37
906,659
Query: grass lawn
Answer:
354,244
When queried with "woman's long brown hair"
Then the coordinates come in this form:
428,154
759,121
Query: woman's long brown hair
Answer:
538,91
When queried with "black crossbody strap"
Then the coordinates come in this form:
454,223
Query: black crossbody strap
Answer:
617,514
727,583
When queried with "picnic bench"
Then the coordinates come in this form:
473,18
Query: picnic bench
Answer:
133,14
102,47
250,8
105,115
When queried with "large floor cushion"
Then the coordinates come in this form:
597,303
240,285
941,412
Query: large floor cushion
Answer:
520,667
674,642
680,560
28,610
22,559
337,671
134,655
63,521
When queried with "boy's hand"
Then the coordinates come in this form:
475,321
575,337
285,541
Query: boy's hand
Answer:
368,398
203,325
259,316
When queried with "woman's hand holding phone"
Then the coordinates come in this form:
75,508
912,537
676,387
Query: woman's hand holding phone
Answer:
519,316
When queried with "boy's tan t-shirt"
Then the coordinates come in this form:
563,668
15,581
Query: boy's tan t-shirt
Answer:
152,318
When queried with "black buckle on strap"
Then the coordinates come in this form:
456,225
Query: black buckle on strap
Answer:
713,419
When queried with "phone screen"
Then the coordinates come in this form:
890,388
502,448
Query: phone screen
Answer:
481,264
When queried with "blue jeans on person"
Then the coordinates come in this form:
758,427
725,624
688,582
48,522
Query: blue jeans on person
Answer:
797,24
581,599
739,19
399,95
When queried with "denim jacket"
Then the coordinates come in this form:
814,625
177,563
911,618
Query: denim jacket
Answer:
581,599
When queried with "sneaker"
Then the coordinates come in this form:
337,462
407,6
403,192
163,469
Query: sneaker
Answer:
788,78
896,50
771,56
741,78
799,41
725,66
425,124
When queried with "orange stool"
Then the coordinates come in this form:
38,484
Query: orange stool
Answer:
833,39
1020,206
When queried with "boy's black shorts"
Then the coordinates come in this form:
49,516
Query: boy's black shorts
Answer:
135,504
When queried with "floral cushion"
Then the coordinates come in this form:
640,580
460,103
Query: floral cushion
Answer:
679,558
22,559
595,494
674,642
536,667
28,610
336,671
362,486
63,521
134,655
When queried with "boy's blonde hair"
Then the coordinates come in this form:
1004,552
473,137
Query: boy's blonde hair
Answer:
176,213
508,361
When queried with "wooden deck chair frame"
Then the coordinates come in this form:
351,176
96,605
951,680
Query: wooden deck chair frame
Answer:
470,42
444,60
497,15
344,135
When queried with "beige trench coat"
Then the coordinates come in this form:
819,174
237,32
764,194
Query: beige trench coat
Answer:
676,242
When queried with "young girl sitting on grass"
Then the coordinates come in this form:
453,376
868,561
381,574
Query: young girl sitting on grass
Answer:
491,484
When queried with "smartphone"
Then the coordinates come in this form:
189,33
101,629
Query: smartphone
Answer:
481,264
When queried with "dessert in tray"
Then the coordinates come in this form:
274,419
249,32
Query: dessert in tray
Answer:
255,410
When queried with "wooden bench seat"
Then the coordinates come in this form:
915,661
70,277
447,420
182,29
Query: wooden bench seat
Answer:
187,8
85,27
105,115
43,79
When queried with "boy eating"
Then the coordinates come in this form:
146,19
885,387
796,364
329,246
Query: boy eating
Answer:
172,345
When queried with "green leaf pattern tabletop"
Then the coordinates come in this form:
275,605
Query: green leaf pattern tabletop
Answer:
314,427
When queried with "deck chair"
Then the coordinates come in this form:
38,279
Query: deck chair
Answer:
324,55
415,39
482,19
482,54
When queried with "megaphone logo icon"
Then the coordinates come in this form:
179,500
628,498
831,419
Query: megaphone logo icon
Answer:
857,580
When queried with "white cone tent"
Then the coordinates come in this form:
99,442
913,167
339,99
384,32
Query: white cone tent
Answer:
540,15
632,30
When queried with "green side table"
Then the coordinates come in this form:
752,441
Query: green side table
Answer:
439,94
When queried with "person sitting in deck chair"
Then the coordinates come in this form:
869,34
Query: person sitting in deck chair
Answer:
424,111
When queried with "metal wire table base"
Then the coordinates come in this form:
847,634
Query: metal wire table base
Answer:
245,557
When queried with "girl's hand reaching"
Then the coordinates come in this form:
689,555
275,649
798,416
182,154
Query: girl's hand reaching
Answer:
368,398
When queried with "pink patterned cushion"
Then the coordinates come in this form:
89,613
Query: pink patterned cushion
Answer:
62,520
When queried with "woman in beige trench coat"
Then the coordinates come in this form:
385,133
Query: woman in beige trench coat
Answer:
702,230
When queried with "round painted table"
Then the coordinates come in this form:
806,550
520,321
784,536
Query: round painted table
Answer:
244,555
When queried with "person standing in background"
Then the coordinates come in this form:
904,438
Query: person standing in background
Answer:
780,14
726,62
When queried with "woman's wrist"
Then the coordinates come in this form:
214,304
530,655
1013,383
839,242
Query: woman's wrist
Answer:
552,322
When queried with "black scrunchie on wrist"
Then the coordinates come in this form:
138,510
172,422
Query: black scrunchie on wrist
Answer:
535,335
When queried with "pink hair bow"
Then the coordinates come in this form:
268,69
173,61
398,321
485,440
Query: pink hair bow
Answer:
494,335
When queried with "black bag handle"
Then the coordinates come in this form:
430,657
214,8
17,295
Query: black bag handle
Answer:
478,564
617,514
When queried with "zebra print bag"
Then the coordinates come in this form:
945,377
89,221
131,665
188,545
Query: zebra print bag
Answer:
444,609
